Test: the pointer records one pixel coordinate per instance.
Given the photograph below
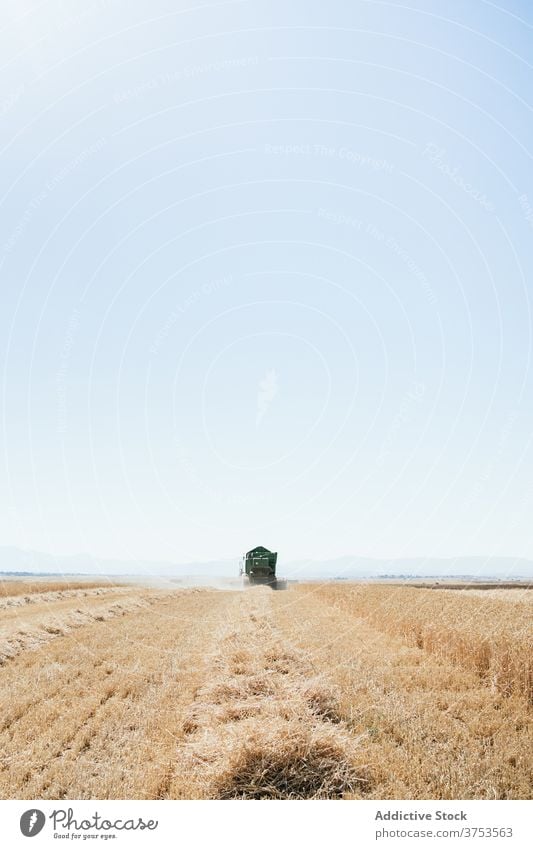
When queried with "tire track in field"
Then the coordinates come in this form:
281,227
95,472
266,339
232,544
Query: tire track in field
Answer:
265,726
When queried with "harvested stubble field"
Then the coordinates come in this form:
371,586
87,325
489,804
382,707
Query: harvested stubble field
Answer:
324,691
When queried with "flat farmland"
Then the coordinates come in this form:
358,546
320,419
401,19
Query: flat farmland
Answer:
324,691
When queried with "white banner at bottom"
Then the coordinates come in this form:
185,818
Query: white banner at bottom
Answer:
268,824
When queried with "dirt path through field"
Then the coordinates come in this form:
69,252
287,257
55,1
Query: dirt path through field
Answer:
264,725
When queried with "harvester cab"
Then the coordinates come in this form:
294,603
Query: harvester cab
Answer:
259,567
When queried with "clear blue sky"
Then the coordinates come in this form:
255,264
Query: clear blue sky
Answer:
266,274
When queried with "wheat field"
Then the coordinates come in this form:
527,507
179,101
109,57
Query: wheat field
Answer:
324,691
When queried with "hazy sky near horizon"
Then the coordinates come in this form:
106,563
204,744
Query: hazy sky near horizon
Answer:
265,278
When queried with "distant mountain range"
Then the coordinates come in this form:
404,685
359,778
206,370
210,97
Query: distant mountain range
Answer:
363,567
16,560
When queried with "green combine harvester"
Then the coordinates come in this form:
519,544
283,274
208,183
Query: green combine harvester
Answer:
259,567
